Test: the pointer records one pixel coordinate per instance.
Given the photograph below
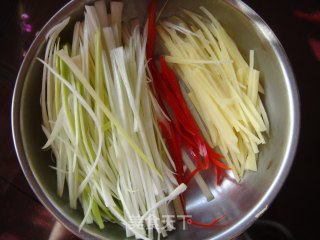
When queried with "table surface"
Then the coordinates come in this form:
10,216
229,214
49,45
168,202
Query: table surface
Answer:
296,24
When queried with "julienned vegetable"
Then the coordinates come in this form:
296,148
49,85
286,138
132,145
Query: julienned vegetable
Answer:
222,87
123,130
98,117
176,121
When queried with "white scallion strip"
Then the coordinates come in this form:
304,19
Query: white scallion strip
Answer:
99,120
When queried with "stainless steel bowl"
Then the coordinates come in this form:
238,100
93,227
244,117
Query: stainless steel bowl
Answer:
241,203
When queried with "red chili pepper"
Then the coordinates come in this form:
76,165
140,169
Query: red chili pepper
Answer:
174,148
220,174
206,225
191,175
175,87
173,83
189,143
195,156
182,131
169,77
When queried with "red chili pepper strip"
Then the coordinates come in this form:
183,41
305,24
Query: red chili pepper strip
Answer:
171,101
191,175
194,156
168,75
183,129
190,135
219,164
214,156
173,83
206,225
170,97
220,175
205,154
174,149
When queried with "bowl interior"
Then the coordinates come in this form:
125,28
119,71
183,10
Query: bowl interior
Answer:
239,203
